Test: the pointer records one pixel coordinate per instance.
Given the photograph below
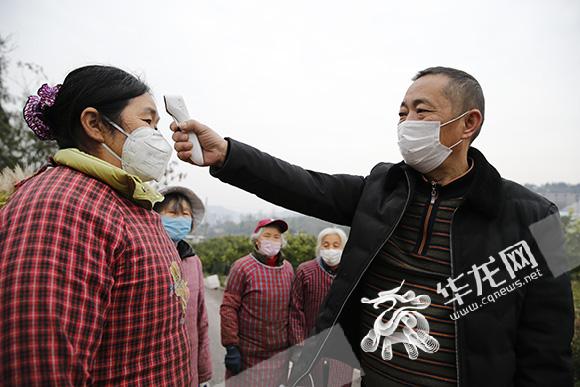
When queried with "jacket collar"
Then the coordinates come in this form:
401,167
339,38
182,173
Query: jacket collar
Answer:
264,259
484,193
127,185
184,249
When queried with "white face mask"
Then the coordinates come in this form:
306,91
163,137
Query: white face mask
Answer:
145,152
331,256
269,248
420,146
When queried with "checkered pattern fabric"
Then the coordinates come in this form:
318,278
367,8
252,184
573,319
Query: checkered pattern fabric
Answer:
309,290
86,293
254,316
196,321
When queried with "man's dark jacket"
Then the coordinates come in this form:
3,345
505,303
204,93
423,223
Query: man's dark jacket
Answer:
522,339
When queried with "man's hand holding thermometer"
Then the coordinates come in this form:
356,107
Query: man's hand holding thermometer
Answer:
194,142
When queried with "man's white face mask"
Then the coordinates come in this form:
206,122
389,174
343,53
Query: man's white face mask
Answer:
420,146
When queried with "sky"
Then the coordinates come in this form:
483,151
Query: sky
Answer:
319,83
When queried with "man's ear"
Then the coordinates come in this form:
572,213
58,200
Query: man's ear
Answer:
472,124
93,125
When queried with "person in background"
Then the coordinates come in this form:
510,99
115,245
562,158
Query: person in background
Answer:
90,284
181,213
254,311
309,289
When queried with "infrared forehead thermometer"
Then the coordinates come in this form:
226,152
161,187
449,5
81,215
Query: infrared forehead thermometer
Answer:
175,106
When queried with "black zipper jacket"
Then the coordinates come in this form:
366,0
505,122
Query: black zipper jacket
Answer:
520,339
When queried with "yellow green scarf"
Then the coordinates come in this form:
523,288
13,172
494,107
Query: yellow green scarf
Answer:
127,185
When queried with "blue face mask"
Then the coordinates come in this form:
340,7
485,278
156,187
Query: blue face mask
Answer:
177,227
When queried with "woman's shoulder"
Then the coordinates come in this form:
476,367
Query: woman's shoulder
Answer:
244,262
307,267
57,189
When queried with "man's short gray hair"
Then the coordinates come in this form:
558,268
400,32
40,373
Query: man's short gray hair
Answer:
463,90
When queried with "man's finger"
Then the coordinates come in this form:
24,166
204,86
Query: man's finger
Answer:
184,156
180,137
173,126
191,126
183,146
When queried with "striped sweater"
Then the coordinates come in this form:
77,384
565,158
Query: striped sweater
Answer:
417,253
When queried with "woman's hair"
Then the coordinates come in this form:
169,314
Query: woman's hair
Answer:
330,231
173,201
105,88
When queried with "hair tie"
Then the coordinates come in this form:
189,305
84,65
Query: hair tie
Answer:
35,108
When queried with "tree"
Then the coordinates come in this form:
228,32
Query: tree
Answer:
572,242
18,144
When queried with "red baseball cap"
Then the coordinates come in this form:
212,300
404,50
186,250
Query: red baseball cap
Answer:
267,222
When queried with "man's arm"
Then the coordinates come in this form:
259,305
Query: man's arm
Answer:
544,334
333,198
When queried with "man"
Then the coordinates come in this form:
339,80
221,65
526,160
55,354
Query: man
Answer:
440,244
254,311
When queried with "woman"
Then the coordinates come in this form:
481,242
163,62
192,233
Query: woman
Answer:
310,287
91,290
181,212
254,311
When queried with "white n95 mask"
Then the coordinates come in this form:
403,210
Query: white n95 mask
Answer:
331,256
420,146
145,152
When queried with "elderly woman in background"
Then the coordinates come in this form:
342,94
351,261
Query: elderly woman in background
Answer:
181,213
309,289
90,285
254,311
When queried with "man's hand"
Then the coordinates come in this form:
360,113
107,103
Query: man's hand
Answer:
214,146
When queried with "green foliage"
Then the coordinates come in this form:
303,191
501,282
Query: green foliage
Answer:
301,248
572,234
18,144
572,229
218,254
576,340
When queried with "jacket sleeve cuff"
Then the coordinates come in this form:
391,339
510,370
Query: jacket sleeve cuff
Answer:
217,171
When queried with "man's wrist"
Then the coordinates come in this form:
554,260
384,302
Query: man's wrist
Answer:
224,149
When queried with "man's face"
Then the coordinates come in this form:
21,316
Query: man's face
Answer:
426,100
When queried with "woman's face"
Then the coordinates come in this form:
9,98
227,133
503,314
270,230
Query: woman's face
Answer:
176,208
331,241
140,111
271,234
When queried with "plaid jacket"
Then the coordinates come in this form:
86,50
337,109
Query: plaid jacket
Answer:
254,316
90,288
309,290
196,321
